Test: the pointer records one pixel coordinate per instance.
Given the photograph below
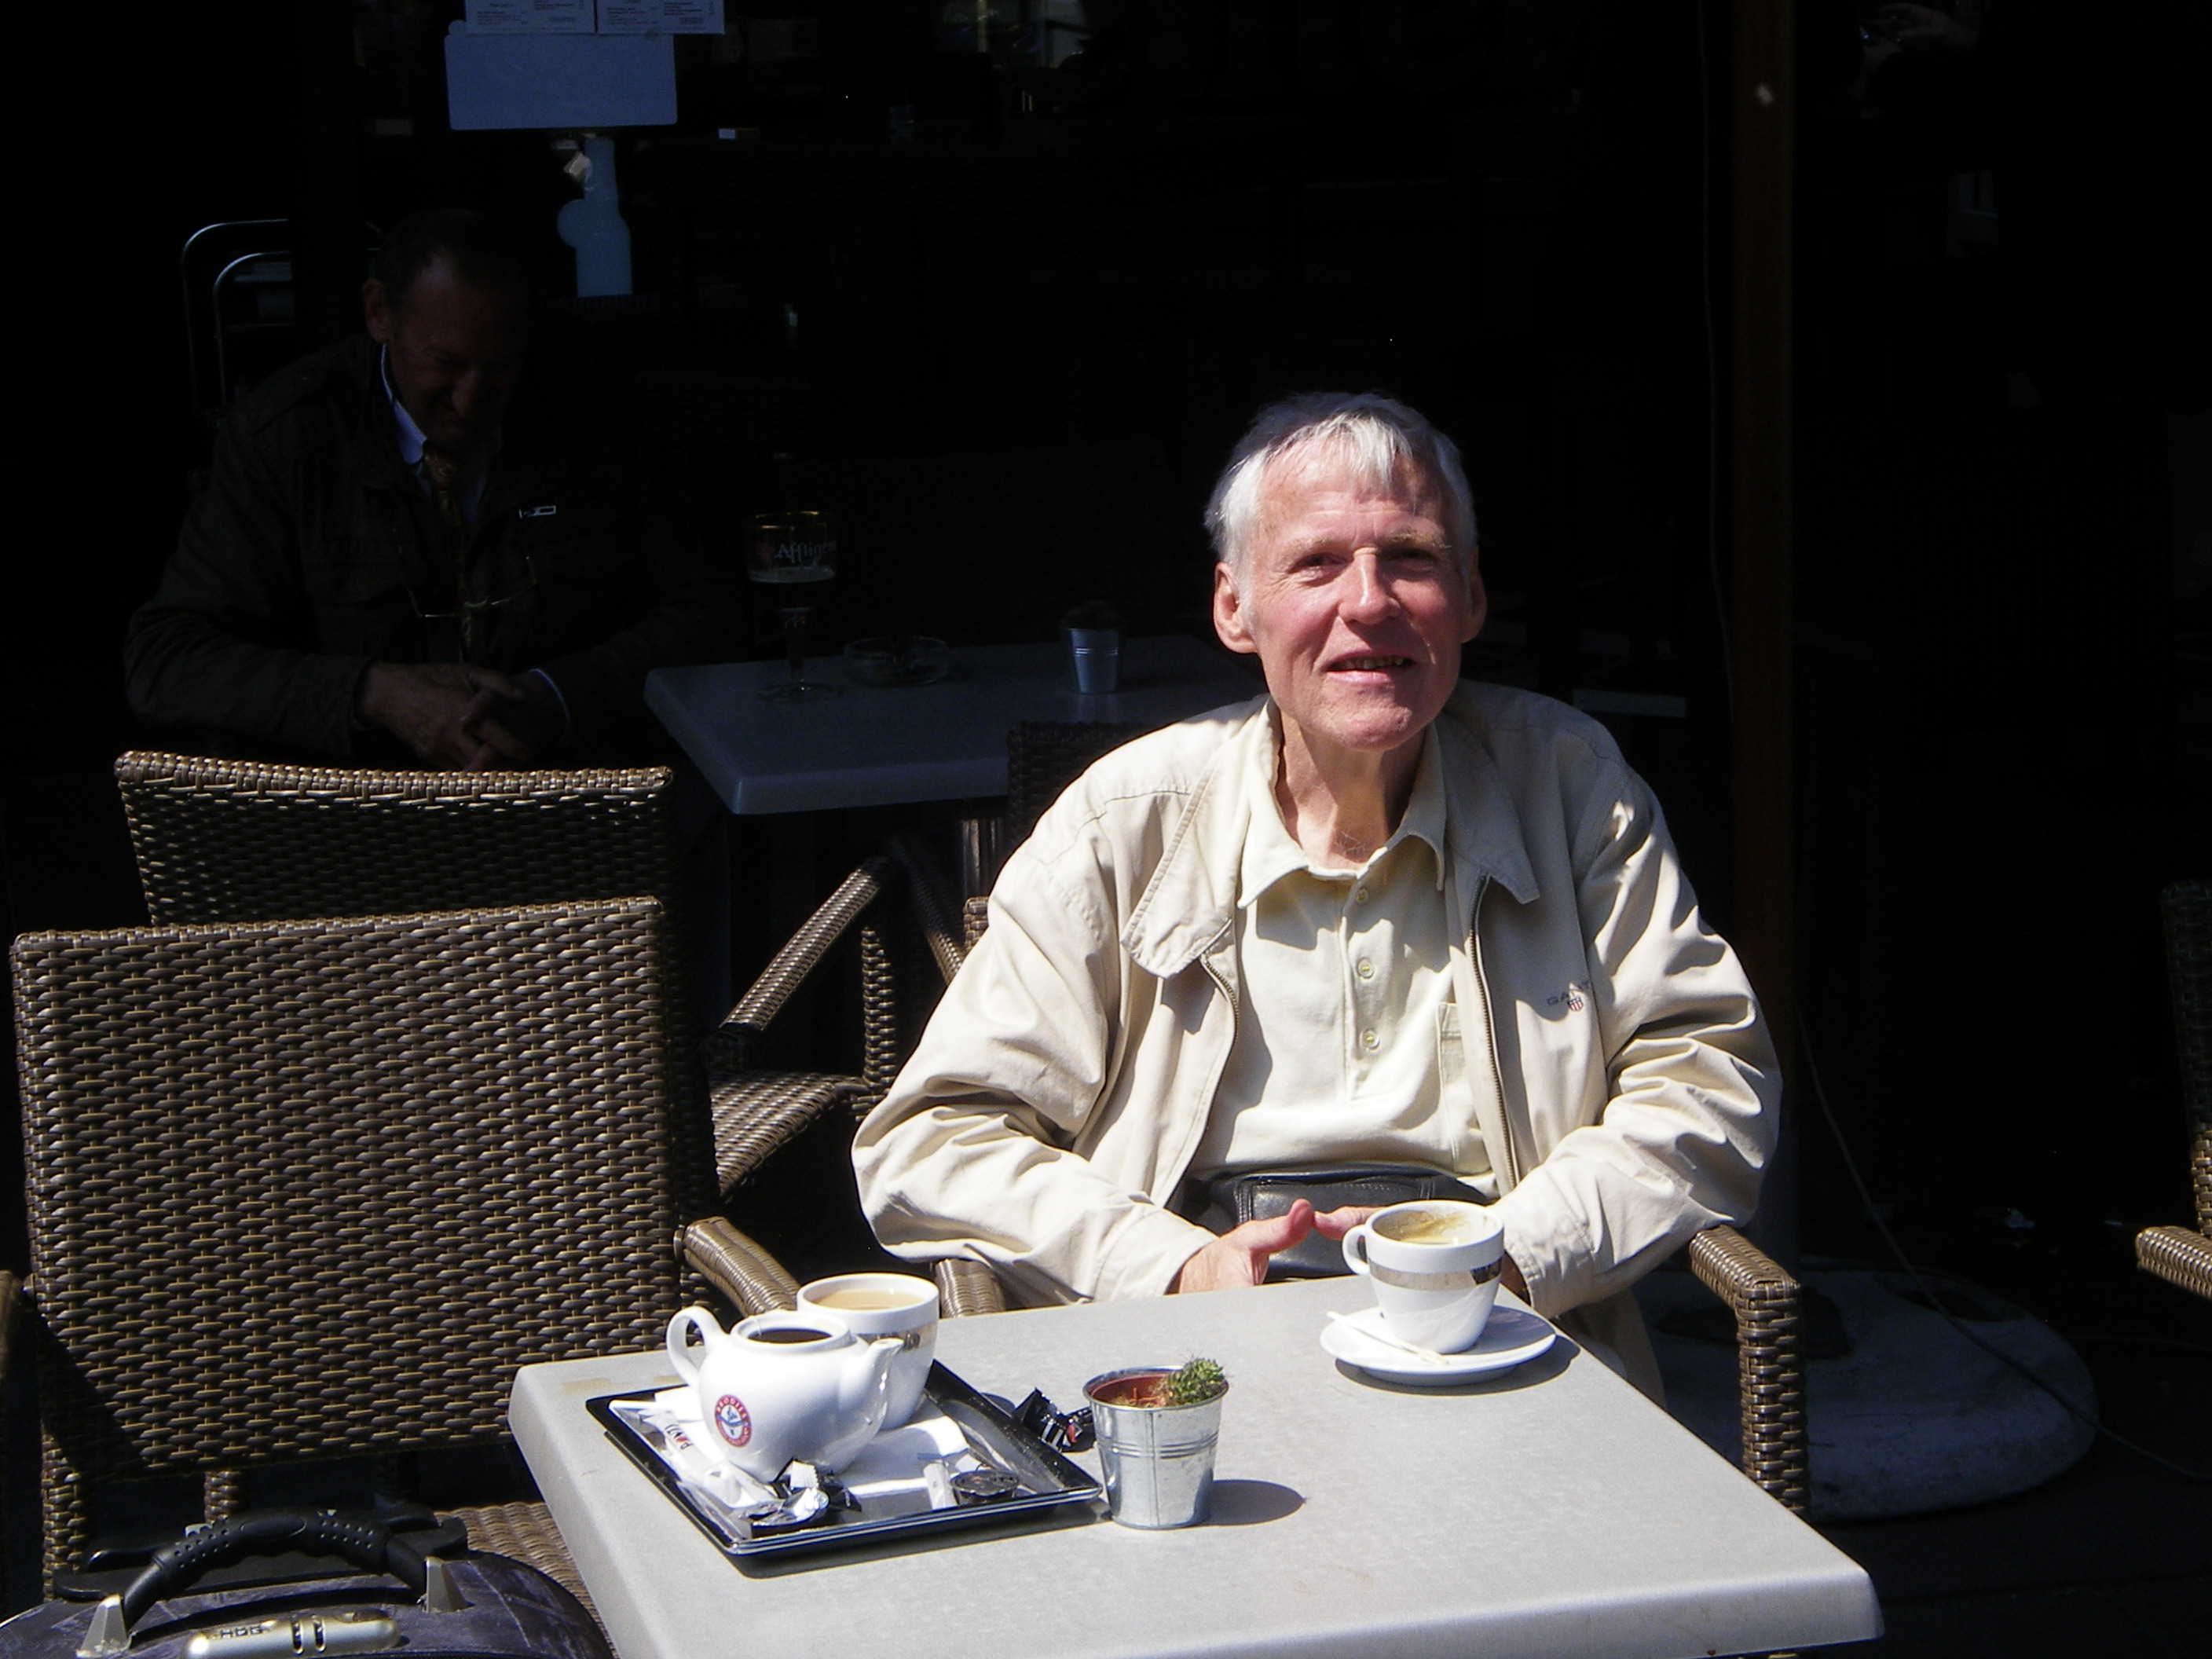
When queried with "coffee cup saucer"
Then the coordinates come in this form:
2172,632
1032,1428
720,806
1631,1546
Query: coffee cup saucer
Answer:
1511,1337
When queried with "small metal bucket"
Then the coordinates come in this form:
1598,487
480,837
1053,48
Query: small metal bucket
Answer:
1158,1460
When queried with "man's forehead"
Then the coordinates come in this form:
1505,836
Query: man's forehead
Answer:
1299,490
441,301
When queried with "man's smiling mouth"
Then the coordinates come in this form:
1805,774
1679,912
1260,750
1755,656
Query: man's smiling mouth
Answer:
1367,664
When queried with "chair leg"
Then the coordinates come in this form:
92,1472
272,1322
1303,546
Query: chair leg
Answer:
1770,1358
223,1493
66,1511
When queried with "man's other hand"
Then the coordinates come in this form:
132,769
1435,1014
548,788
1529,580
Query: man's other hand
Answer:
443,711
1240,1256
519,718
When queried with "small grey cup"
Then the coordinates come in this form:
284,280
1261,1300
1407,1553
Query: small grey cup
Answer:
1093,632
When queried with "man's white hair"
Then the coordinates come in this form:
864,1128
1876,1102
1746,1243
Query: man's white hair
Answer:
1370,437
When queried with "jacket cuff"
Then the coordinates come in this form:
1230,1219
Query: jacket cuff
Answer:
1147,1252
1545,1257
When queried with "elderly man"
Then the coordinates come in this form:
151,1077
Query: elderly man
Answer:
1374,918
396,563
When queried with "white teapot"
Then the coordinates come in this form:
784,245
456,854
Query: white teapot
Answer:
783,1385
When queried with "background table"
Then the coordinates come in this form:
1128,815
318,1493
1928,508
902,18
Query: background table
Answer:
1549,1512
886,745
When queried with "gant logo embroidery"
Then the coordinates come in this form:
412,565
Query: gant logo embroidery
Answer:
731,1421
1572,996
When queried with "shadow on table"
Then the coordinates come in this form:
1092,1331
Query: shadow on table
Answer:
1252,1503
1543,1368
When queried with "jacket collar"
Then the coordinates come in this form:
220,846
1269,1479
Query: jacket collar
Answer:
1189,906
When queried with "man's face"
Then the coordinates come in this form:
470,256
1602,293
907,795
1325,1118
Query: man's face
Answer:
453,351
1353,602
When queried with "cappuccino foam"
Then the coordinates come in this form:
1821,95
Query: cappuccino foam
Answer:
1428,1227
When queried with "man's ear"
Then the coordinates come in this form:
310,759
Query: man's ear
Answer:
376,311
1229,611
1478,601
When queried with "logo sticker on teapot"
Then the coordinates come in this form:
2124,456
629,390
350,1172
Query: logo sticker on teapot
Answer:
731,1421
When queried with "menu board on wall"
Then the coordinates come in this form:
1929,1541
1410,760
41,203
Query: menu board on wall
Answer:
531,17
660,16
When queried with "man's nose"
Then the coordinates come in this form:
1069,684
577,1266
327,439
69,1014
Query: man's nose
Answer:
1367,597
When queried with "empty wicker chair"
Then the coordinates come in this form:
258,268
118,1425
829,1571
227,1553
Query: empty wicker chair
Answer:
308,1190
2183,1254
226,841
241,841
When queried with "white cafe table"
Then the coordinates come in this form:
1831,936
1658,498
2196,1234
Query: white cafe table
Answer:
885,746
1548,1512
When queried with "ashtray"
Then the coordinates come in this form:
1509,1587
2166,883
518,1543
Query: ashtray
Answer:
896,659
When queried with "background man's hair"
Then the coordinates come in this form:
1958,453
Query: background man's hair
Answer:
1370,435
475,247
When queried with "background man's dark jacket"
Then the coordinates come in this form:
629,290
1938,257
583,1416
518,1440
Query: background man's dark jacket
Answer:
314,551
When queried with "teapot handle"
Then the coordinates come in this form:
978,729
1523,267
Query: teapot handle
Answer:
711,1336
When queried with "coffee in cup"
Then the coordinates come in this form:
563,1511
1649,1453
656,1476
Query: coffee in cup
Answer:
885,1304
1435,1264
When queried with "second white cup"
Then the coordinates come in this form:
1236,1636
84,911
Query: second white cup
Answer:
885,1304
1435,1264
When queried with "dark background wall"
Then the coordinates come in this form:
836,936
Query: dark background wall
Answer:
1009,320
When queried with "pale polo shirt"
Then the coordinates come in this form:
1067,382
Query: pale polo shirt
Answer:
1347,1047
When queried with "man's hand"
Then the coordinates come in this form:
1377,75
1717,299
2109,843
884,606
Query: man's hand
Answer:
523,710
1239,1257
445,711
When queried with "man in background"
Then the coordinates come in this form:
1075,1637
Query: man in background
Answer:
407,556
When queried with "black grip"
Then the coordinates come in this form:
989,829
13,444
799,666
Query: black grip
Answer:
369,1545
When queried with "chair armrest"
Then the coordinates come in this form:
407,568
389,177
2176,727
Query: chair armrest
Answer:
2177,1254
975,917
729,1046
739,1269
966,1287
1770,1359
10,1288
934,911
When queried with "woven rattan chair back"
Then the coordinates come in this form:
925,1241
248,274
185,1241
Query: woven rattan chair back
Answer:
312,1189
1043,757
238,841
226,841
2188,906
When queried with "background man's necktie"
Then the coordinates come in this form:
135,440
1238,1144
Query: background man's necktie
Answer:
444,473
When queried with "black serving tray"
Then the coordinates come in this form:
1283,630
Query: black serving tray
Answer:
1051,1484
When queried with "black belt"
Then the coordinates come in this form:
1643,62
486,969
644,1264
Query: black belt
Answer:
1224,1201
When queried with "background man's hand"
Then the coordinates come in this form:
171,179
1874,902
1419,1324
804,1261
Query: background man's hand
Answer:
1240,1256
452,714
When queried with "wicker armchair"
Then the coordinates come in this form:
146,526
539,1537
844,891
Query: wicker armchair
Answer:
315,1189
2183,1254
224,841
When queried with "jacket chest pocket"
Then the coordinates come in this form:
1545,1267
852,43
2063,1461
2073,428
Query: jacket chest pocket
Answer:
578,573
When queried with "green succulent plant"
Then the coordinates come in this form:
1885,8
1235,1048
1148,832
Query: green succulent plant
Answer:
1196,1382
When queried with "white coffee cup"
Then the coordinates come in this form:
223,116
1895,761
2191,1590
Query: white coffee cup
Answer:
1435,1264
885,1304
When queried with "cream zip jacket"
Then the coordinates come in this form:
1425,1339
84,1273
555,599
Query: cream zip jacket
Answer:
1613,1056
